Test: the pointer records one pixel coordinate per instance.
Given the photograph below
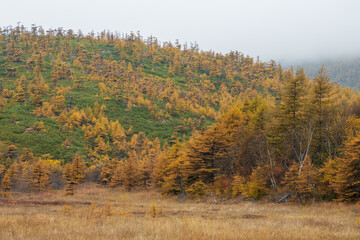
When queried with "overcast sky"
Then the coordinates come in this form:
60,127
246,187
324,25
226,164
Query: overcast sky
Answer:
283,30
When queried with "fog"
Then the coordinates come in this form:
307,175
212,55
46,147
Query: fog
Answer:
284,30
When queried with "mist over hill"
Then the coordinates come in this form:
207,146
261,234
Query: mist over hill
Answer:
345,71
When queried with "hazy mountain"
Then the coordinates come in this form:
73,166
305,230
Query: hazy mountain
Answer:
346,72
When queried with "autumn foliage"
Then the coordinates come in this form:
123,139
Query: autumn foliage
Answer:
129,112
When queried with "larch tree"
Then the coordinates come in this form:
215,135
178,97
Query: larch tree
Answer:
78,169
170,170
3,103
74,174
207,153
68,176
292,125
107,170
10,177
130,172
116,179
301,180
40,176
347,180
319,111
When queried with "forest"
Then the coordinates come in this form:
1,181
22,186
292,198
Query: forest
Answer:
127,112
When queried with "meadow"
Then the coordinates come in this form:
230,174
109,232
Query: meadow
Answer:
102,213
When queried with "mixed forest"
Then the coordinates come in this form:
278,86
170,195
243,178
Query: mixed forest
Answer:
136,113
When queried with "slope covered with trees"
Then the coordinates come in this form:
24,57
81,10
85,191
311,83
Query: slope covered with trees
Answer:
137,113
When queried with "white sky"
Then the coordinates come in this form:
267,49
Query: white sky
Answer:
289,30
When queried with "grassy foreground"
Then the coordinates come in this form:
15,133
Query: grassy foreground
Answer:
98,213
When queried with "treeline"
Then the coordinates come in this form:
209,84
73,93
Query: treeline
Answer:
275,133
304,145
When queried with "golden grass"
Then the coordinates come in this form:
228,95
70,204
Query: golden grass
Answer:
98,213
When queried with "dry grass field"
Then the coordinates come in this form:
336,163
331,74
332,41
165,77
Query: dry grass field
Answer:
98,213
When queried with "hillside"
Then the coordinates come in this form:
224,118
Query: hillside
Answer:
346,72
166,91
137,113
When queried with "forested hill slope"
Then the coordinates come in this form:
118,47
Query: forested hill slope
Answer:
68,81
133,112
